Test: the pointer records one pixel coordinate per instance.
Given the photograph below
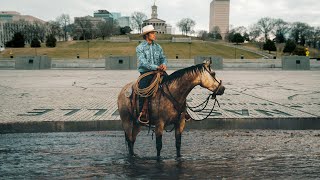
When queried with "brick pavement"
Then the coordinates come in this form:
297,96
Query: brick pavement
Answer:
90,96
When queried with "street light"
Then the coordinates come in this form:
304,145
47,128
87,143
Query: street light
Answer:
189,50
88,48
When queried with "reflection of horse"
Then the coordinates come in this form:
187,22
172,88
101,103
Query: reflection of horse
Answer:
168,106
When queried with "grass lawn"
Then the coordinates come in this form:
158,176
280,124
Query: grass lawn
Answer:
100,49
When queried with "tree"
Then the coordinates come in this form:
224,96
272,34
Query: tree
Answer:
54,29
281,28
137,19
186,25
254,32
237,38
203,35
83,28
215,33
17,41
105,29
289,47
64,22
265,26
35,43
125,30
51,41
300,32
269,46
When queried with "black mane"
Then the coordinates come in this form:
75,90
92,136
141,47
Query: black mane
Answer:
178,74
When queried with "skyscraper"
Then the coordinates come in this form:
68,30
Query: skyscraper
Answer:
219,16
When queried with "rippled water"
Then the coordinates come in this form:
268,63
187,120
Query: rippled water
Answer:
206,155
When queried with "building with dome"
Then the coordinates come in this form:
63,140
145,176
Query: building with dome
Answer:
159,24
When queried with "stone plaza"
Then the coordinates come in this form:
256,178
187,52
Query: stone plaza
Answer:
86,99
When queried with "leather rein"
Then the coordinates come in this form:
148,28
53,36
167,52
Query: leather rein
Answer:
180,108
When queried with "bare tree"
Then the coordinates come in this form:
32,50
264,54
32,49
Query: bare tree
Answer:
64,22
107,28
53,28
137,19
186,25
300,32
265,26
254,32
83,27
203,35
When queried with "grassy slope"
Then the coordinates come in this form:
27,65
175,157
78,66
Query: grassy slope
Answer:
100,49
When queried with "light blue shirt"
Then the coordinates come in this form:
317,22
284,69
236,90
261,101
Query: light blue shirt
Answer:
150,56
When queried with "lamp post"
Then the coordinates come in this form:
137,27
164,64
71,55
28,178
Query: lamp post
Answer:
189,50
88,49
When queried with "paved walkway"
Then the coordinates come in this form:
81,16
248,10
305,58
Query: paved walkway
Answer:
70,100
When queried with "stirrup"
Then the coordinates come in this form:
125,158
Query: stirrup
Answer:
142,122
187,116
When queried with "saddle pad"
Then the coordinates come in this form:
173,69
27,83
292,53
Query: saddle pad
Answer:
129,90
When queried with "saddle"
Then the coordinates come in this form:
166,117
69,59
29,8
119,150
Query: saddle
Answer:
134,101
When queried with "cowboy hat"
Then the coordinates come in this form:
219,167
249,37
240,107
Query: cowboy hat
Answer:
148,28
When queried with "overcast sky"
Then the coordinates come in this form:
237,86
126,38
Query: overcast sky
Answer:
242,12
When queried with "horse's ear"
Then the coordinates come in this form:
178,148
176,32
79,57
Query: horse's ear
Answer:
207,63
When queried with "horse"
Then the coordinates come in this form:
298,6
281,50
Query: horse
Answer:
168,105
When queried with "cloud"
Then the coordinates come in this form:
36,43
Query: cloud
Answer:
243,12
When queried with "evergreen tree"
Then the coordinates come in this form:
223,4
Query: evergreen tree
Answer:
51,41
289,47
17,41
269,46
237,38
35,42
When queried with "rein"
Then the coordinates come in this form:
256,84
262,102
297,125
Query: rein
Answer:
213,96
180,109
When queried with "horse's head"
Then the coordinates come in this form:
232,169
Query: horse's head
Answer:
208,79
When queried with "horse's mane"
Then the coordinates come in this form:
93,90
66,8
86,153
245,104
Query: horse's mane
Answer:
178,74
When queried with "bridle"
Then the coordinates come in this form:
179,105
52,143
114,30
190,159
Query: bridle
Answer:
180,109
213,95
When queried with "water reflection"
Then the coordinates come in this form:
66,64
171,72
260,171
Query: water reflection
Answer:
206,155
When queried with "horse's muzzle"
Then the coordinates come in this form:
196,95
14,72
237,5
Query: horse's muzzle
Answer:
220,90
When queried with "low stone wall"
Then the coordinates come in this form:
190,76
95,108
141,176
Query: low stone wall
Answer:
7,64
78,63
119,39
172,63
186,40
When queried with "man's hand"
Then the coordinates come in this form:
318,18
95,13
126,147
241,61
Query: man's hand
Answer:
162,67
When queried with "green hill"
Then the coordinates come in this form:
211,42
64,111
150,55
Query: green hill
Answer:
101,48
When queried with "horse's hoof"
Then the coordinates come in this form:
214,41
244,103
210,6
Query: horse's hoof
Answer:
178,158
133,155
158,158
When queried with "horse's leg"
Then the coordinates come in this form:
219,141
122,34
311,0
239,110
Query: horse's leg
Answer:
135,131
130,144
178,133
159,132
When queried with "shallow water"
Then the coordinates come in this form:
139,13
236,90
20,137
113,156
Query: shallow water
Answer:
208,154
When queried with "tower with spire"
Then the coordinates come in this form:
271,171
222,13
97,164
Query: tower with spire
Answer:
158,24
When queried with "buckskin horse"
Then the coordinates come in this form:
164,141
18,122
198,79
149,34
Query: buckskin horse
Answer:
168,106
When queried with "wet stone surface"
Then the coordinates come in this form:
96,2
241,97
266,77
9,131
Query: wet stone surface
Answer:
260,154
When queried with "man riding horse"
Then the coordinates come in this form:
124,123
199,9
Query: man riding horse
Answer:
150,58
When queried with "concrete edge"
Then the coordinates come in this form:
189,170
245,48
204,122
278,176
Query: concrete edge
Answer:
295,123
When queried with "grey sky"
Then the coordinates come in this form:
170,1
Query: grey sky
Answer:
242,12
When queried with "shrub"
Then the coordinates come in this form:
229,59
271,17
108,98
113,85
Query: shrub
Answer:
289,47
17,41
35,43
269,46
51,41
